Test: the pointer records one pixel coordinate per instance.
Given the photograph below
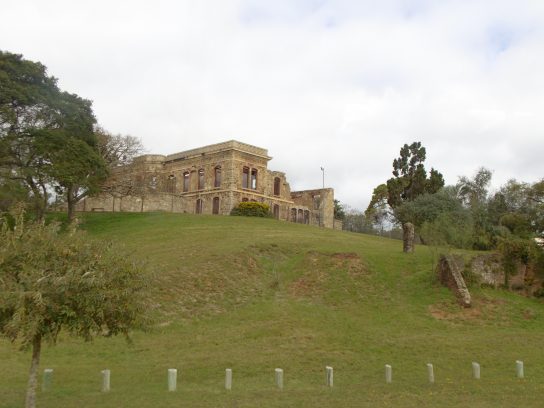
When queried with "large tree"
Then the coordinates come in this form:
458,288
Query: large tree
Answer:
52,281
41,129
409,182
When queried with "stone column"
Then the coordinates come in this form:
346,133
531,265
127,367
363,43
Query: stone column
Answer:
47,379
329,379
388,374
106,374
172,379
228,379
279,378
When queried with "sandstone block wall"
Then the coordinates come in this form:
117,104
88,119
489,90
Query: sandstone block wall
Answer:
210,179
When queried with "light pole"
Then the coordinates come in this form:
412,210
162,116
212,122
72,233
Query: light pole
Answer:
323,171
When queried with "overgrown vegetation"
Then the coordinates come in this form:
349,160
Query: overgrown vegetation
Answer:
251,209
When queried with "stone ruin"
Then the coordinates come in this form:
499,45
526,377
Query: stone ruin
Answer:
450,273
485,270
211,180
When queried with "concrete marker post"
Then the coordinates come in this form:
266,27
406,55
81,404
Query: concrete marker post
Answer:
430,371
329,376
172,379
388,374
106,374
279,378
476,370
47,379
519,369
228,379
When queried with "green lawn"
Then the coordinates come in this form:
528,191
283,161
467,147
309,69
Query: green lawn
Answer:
256,294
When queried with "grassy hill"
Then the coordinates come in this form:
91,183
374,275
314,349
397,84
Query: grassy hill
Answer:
256,294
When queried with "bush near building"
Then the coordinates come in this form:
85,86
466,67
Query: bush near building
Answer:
252,209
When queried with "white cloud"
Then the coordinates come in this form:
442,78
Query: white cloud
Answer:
339,84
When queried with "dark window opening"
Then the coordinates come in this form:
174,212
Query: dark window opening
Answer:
186,181
277,182
306,217
254,179
245,200
171,184
217,179
245,177
276,211
300,216
199,206
201,179
215,208
293,215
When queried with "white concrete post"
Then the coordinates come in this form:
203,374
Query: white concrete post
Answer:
172,379
388,374
519,369
228,379
476,370
329,376
47,379
279,378
106,374
430,371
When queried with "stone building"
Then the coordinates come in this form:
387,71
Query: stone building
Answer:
211,180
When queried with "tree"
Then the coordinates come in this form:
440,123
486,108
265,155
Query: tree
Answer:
339,212
117,150
410,181
41,130
52,281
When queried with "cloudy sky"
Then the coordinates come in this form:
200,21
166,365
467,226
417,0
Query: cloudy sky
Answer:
339,84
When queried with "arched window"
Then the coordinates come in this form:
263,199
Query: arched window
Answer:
245,177
215,208
254,179
186,181
276,211
198,206
201,179
300,216
277,182
217,178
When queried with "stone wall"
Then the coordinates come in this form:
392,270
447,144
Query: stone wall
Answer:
449,271
186,182
320,202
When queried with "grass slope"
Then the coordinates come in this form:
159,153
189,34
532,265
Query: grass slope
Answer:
256,294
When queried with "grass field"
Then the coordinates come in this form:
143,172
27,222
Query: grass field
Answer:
256,294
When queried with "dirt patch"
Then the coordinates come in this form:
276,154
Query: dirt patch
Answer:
318,268
481,310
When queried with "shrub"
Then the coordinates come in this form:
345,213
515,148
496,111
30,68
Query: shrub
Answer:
251,209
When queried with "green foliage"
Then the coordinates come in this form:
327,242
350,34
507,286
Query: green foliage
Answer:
514,251
51,281
410,182
448,229
46,136
427,207
339,212
251,209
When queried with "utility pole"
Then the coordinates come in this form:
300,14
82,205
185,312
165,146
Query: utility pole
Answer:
323,171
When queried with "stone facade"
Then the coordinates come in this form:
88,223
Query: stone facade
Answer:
210,180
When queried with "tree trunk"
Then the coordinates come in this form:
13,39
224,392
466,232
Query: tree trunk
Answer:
71,205
408,236
33,376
